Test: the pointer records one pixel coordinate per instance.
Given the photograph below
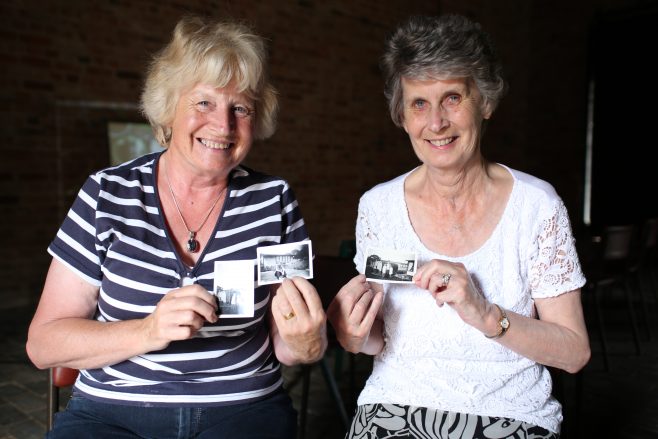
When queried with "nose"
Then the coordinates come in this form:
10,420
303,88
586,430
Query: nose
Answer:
223,120
438,118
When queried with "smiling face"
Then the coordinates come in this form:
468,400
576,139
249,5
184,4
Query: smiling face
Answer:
212,129
443,119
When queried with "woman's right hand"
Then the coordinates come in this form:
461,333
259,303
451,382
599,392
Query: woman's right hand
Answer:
353,314
179,315
63,331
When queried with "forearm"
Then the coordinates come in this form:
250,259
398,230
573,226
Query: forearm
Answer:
546,343
86,344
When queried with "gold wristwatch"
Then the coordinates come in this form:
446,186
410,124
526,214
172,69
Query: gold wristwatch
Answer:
503,324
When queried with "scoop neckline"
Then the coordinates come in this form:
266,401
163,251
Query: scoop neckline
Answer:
486,243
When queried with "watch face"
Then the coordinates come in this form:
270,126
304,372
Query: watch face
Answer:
504,323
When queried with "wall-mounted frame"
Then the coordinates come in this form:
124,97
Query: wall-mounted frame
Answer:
129,140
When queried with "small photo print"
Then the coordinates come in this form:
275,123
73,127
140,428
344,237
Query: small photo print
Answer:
234,288
388,265
276,262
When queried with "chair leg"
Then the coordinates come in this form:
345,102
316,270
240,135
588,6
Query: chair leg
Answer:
649,273
598,311
303,409
53,400
631,314
333,388
338,363
599,323
352,368
649,282
644,302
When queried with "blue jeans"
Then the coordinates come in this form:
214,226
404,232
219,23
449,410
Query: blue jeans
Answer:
273,417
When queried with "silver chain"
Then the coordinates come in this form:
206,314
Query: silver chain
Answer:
191,233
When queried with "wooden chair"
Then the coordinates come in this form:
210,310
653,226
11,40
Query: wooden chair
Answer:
58,377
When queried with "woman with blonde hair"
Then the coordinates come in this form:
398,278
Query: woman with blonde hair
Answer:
127,299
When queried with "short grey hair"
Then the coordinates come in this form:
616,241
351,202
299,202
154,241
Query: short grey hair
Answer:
213,53
444,47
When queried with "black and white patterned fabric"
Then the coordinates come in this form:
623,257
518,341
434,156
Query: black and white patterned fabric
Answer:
383,421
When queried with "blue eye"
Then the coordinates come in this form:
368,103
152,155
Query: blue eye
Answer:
418,104
453,100
203,105
242,111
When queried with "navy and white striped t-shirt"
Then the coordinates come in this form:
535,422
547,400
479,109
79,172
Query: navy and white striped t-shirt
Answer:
114,236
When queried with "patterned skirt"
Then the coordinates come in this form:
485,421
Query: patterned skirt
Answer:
381,421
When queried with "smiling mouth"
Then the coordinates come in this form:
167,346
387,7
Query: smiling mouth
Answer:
215,145
443,142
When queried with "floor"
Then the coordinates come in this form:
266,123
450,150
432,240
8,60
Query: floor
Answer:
621,402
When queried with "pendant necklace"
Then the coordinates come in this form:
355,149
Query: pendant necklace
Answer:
192,245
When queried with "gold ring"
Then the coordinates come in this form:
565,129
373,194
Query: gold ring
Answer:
290,315
446,279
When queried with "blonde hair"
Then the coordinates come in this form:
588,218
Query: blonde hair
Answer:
215,54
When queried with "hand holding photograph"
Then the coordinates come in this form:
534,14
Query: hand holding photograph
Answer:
277,262
390,265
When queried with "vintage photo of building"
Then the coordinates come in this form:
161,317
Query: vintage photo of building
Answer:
388,265
277,262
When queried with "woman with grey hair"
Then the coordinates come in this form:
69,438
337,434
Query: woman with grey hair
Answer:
463,350
127,297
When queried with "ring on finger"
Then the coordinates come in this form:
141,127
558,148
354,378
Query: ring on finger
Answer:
290,315
446,278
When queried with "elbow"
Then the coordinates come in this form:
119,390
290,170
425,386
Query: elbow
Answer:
34,355
38,347
585,357
580,361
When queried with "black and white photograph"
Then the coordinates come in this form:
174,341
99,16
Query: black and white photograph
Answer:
277,262
389,265
234,288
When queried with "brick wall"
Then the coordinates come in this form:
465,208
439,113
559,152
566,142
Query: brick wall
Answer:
70,66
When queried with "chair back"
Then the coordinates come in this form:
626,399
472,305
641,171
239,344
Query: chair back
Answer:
64,376
58,377
618,242
609,253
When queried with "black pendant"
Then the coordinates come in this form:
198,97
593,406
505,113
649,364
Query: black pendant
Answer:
192,244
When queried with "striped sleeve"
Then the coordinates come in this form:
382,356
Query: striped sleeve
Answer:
76,244
293,226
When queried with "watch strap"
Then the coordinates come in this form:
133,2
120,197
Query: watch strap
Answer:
503,324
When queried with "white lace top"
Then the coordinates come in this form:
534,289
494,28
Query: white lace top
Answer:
431,358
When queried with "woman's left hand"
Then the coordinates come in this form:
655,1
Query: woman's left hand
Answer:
450,283
299,327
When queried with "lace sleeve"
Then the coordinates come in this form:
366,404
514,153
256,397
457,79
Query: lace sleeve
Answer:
555,267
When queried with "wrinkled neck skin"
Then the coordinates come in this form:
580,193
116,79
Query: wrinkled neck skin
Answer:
454,185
